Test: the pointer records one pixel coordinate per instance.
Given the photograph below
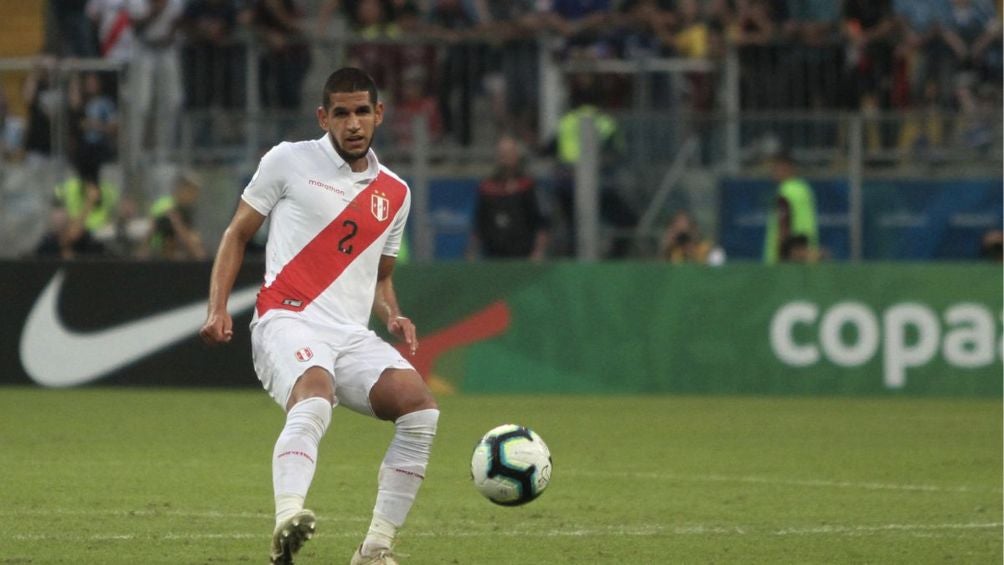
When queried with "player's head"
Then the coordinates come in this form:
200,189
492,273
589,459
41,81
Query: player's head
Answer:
347,80
350,112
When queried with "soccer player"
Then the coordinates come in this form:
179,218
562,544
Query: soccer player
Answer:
337,217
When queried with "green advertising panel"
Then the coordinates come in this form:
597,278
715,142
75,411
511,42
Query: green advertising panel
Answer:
655,328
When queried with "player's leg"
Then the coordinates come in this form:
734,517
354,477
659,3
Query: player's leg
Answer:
374,379
294,460
292,364
400,396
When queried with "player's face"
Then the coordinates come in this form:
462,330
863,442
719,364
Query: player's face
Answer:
350,120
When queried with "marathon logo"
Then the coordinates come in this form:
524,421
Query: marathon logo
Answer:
327,187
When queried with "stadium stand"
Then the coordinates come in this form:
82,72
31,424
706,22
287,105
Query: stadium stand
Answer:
703,93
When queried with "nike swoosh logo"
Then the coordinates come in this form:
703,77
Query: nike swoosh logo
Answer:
55,356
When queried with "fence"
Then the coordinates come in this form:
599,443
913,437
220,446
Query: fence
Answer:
688,127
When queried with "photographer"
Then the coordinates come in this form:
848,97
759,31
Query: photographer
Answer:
683,243
90,206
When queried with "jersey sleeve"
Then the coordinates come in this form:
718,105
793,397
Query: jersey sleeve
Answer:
393,243
268,184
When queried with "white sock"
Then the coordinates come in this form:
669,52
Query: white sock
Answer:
295,455
400,476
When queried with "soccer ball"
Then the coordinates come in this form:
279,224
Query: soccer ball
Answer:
511,465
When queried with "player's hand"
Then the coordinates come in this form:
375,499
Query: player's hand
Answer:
219,328
404,329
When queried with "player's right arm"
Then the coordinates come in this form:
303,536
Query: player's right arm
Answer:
245,223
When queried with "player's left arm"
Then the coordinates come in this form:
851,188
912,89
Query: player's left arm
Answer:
386,308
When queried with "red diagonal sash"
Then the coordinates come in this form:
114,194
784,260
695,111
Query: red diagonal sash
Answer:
118,27
332,250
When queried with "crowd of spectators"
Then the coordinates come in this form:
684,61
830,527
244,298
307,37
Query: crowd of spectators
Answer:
434,58
864,54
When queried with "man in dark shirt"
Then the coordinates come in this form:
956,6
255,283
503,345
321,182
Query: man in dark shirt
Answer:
870,30
508,220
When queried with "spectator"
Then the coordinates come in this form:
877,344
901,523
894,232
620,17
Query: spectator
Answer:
461,67
71,30
931,68
377,52
328,11
409,21
691,38
284,66
50,246
97,119
683,243
130,231
583,24
155,75
987,49
511,27
792,234
9,142
923,51
967,21
752,28
969,24
172,232
813,55
90,206
754,23
44,101
213,65
870,31
508,221
414,103
142,33
643,29
566,146
992,245
812,23
114,21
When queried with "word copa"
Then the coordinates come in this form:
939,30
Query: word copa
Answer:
849,334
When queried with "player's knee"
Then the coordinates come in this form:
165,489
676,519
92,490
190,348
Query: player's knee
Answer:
400,392
315,382
423,400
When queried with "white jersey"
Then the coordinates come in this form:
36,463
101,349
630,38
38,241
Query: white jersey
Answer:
115,30
328,228
117,35
160,29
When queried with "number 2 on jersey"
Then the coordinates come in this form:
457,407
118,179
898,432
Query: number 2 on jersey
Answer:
343,244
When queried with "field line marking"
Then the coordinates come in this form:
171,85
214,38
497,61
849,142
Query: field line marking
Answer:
821,483
640,531
887,528
147,513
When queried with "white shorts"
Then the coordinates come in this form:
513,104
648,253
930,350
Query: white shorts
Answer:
284,346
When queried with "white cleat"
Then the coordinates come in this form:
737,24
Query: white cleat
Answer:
381,557
290,536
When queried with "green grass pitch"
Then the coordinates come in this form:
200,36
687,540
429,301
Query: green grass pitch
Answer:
144,476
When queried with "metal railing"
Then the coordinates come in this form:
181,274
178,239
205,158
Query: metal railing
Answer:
668,140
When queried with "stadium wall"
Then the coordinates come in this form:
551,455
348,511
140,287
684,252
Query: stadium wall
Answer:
904,219
834,329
